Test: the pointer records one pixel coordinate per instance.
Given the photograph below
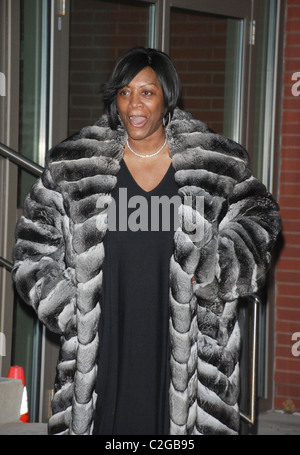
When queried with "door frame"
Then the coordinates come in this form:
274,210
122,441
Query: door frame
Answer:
9,111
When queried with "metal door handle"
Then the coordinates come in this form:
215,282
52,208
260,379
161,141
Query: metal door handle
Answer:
250,417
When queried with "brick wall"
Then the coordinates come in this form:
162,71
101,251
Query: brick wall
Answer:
287,365
198,49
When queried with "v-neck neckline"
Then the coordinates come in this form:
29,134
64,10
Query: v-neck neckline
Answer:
140,188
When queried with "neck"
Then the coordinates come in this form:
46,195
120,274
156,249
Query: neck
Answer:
148,145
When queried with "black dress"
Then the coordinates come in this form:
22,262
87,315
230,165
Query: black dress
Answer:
133,358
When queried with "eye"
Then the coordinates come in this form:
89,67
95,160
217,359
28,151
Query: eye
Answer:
124,92
147,92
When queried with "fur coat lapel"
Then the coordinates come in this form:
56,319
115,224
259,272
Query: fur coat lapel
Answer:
60,273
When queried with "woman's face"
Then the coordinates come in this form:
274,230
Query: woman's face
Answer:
141,106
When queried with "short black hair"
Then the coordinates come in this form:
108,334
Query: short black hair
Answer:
128,66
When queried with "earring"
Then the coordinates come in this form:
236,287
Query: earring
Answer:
165,123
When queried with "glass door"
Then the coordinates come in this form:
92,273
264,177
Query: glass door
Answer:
210,47
208,52
33,142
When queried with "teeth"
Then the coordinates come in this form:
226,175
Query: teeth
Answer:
137,120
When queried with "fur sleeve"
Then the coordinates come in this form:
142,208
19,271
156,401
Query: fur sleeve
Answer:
40,273
246,237
244,223
240,217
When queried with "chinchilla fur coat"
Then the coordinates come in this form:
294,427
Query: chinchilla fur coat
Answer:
59,253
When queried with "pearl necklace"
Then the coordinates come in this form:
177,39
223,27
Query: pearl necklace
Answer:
147,156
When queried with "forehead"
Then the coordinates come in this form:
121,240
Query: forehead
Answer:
146,76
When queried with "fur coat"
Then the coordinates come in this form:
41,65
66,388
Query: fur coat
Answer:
59,253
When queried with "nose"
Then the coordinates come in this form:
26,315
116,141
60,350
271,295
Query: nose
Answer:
135,100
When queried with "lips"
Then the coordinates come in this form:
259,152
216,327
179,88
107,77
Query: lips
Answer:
137,121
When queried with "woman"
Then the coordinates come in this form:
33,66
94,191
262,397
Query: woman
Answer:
148,317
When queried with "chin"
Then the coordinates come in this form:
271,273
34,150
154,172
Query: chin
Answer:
137,135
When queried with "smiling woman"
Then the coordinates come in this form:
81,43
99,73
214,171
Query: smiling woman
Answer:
148,318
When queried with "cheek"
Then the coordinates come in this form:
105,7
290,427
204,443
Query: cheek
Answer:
158,108
161,106
121,106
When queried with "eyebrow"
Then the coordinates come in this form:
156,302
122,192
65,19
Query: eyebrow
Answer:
144,85
149,83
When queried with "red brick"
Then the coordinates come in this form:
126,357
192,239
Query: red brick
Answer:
196,78
293,39
200,65
284,340
217,104
285,352
289,201
293,54
289,365
288,390
289,289
83,89
287,378
290,214
288,277
290,140
293,12
80,17
291,116
288,188
290,226
292,64
286,314
290,251
292,25
291,99
288,327
285,263
290,236
290,152
289,185
78,113
291,95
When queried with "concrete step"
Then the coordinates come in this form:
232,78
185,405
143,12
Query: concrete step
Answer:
11,393
19,428
278,423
